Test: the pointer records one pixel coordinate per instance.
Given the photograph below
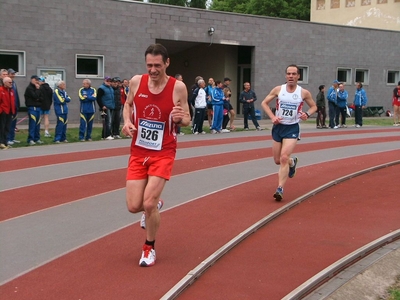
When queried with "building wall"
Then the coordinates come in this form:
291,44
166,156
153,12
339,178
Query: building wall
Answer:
52,32
378,14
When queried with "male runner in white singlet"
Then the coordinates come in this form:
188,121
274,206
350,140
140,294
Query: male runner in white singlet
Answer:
285,132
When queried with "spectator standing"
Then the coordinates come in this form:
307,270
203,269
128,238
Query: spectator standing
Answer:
225,118
46,97
33,104
232,114
7,110
124,92
200,105
286,130
105,100
116,119
11,134
341,109
321,106
61,100
332,103
190,95
360,101
396,105
209,90
218,107
87,97
247,98
154,141
3,74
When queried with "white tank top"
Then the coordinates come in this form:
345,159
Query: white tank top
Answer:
289,105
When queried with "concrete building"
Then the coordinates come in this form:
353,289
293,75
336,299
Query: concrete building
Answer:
378,14
76,39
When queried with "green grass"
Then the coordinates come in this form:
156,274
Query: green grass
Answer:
376,121
72,136
394,290
73,133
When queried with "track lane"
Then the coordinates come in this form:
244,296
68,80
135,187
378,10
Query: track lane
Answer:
41,156
211,230
31,198
305,240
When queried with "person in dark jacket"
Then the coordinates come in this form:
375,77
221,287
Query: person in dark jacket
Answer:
46,97
33,103
247,98
321,105
87,97
116,117
105,100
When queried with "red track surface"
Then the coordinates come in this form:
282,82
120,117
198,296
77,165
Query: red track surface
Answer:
268,265
24,203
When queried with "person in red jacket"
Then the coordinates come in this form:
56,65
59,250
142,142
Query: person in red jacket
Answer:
7,110
396,105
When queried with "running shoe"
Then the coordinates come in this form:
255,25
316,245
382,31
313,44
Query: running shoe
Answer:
148,256
292,170
143,218
279,194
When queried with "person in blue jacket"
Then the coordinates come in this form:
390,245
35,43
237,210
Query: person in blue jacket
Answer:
87,97
105,100
341,109
360,102
217,102
60,99
332,103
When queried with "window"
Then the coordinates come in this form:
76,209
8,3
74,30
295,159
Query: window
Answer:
335,3
320,4
382,1
89,66
393,77
14,60
362,76
303,74
344,75
365,2
350,3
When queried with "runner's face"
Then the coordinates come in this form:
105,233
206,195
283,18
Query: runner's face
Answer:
156,67
292,76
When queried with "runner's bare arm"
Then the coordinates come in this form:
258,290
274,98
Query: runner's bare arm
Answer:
307,97
265,104
128,127
180,113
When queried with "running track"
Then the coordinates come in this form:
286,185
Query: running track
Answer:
65,232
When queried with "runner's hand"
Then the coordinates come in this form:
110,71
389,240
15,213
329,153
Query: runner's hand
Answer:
128,129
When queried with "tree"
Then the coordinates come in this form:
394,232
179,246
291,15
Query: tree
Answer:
289,9
185,3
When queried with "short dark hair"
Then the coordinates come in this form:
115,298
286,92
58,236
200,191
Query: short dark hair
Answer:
157,49
295,66
358,82
321,87
217,82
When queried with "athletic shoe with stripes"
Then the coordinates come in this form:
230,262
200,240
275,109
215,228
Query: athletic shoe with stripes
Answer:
148,256
292,170
143,218
279,194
